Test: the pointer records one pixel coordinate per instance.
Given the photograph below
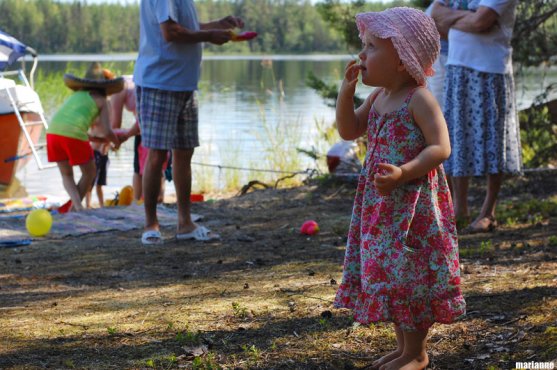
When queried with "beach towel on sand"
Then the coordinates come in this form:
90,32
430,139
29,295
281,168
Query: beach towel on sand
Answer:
89,221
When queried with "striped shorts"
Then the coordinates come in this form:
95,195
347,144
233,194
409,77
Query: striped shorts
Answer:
168,119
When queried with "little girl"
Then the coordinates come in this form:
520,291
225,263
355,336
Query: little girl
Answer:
67,136
401,262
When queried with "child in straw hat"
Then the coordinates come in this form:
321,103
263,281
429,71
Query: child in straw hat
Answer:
67,138
401,262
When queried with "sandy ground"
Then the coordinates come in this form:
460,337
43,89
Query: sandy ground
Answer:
261,297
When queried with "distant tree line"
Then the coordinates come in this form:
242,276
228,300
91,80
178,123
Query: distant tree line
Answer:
284,26
53,27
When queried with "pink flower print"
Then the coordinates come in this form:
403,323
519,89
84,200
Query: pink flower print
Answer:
399,131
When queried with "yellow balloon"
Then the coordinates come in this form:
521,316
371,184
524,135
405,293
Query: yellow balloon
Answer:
126,196
38,222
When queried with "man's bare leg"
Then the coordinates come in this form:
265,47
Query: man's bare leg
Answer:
151,186
181,172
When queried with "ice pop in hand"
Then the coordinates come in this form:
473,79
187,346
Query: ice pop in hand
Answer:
243,36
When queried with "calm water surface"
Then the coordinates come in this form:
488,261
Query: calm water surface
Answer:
250,109
247,107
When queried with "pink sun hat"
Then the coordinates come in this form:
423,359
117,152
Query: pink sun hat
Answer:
413,34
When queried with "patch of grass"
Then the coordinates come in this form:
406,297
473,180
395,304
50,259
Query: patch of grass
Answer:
324,322
239,311
511,221
530,211
550,335
111,330
535,219
187,337
162,307
206,363
552,241
252,352
485,248
162,362
341,226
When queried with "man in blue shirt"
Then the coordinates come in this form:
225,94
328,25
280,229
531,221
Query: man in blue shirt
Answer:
166,74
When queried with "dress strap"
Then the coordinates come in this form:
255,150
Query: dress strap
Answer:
410,94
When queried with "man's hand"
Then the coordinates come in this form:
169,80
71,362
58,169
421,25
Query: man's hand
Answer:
113,138
230,22
388,179
219,37
122,134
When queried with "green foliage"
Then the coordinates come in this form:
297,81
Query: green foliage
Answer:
535,33
340,16
534,42
328,92
284,26
72,27
538,133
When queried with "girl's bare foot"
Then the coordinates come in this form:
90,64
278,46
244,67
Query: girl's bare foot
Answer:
407,362
385,359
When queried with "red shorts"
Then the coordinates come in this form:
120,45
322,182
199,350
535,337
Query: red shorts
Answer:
62,148
142,153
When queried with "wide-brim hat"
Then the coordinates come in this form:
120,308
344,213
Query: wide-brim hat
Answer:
413,34
96,78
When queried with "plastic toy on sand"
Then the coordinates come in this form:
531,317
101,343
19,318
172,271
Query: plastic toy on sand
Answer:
310,227
197,198
125,198
65,208
243,36
38,222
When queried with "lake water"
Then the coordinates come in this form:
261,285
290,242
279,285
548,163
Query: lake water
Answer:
254,113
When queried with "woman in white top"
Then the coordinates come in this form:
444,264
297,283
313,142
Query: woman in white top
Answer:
480,103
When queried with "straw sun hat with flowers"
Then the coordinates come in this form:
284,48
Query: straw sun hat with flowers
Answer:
96,78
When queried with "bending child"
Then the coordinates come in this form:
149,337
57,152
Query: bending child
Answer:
401,262
126,99
67,139
102,162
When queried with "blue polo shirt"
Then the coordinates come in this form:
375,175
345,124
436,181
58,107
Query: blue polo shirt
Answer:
173,66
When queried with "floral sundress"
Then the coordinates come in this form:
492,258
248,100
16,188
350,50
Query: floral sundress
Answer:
401,263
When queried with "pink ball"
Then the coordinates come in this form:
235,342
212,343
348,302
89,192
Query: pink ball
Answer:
310,227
